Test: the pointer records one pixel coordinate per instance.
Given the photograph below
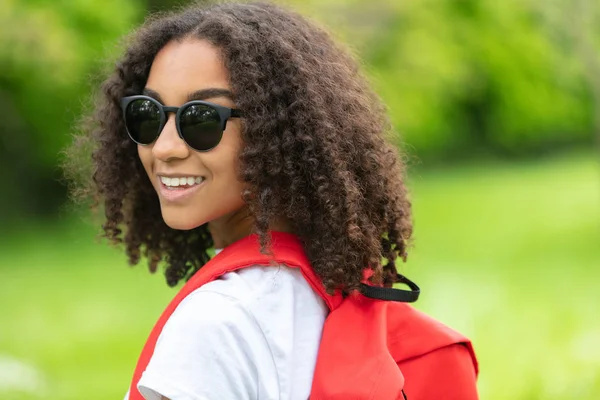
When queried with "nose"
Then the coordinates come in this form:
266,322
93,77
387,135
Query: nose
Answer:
169,146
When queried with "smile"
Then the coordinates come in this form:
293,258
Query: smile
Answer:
184,181
179,189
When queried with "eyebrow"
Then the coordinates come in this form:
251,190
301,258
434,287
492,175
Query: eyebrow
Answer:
201,94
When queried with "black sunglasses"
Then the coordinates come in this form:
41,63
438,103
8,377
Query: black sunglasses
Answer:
199,123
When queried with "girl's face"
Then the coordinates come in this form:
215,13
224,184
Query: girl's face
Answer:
181,71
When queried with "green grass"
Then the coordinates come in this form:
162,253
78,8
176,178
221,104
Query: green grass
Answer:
507,254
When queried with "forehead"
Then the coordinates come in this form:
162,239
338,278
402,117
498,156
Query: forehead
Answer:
185,66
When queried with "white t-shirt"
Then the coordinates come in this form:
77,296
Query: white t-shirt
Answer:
252,334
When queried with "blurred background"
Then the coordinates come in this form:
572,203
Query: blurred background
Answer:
497,104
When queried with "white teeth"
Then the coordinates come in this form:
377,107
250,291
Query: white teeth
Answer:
183,181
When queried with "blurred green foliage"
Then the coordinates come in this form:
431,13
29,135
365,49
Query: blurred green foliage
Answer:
482,74
462,78
49,51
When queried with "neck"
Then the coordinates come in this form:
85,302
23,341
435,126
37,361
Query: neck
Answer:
237,225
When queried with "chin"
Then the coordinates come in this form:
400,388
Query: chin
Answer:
181,222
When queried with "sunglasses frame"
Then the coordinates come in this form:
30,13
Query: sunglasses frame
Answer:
224,114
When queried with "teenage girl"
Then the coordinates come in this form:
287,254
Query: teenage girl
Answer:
228,120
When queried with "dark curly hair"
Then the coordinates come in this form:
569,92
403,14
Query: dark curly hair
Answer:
314,147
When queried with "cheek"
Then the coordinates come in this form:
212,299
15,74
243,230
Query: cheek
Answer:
223,161
224,187
145,154
224,170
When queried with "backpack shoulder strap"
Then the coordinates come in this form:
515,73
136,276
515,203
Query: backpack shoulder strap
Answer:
286,249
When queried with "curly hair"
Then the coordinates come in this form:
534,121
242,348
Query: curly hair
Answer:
314,147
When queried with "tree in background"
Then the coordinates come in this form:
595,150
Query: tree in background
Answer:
482,76
586,34
49,52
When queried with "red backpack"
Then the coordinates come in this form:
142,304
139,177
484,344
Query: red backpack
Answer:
370,349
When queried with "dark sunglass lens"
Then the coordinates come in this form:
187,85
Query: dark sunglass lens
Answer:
142,118
200,126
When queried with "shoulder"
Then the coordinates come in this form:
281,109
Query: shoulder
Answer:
248,283
205,313
220,336
234,301
211,347
272,295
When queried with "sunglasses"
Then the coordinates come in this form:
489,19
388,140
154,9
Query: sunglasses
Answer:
200,124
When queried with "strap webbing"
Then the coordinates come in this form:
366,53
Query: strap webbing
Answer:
392,294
